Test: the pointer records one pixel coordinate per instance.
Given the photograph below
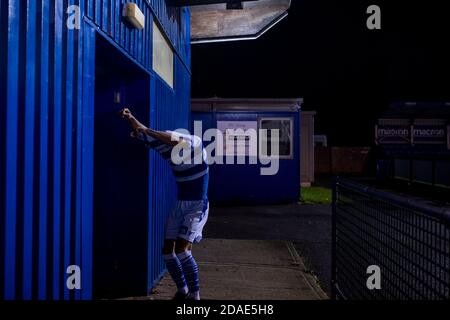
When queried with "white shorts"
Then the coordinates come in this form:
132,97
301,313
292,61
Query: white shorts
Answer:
187,220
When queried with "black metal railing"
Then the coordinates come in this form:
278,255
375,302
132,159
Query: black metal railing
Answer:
409,241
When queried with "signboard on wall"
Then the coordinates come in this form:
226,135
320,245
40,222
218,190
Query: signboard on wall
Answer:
421,132
393,134
237,136
429,134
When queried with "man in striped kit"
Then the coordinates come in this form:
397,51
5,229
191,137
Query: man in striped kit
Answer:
188,160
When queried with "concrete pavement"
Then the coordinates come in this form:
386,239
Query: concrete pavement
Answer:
308,227
248,270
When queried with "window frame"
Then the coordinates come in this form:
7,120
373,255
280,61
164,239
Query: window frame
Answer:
291,150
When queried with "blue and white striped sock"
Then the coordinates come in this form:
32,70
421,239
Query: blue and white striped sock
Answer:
176,272
190,270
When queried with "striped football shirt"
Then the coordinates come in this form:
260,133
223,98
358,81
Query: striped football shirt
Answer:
188,162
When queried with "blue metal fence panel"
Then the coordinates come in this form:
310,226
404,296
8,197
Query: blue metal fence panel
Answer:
46,129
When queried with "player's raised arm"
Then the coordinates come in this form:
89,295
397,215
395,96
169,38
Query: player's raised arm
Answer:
185,224
139,129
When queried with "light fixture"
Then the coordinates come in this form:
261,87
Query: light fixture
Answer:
133,15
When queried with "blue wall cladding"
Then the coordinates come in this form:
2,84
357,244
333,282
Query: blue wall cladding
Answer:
107,15
47,75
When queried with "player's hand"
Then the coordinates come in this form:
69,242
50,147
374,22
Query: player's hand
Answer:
125,114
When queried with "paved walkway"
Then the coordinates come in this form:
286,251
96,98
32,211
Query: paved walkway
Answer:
248,270
308,227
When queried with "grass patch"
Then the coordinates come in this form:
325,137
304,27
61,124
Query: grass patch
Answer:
315,195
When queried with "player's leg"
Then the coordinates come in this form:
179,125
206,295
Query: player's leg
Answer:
175,269
183,250
173,264
195,216
182,245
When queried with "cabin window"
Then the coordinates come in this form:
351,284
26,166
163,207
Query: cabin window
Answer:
285,134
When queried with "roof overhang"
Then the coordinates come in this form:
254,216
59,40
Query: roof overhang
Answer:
241,104
218,22
185,3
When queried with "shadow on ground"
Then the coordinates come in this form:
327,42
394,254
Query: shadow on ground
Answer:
307,226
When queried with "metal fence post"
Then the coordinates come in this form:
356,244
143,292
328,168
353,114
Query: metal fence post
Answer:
333,238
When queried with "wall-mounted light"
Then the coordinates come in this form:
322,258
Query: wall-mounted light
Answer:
133,15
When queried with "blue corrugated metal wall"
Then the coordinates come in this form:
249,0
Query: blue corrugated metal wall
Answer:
46,130
174,114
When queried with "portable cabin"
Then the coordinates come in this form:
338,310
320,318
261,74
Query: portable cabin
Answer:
245,183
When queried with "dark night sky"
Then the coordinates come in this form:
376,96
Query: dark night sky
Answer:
324,53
